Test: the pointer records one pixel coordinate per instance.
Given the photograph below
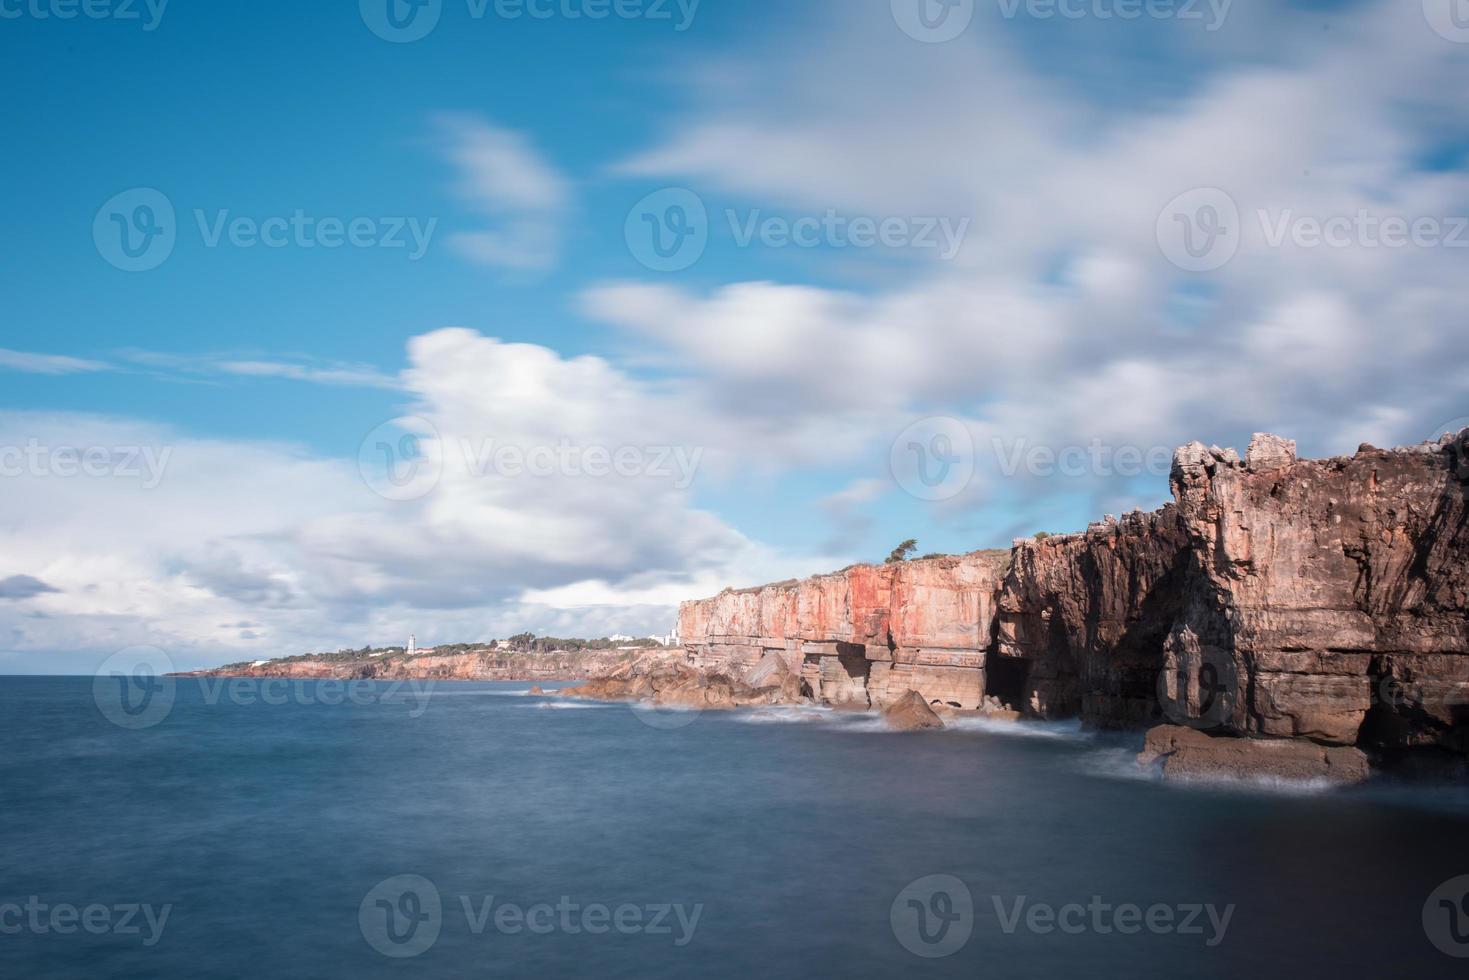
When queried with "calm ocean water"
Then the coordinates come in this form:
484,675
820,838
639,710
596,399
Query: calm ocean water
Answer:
475,831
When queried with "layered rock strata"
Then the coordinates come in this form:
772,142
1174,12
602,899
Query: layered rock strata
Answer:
1275,597
863,636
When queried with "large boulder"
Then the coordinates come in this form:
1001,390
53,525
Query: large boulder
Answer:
1186,753
910,713
774,682
1269,452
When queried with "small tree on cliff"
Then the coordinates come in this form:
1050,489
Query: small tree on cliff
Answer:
903,551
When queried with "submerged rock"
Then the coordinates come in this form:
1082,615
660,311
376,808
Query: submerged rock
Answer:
1186,753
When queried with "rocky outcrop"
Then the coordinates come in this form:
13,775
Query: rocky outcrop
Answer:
1185,753
1274,598
910,713
1082,619
681,685
863,636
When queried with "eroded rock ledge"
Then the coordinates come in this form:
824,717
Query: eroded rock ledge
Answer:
1324,600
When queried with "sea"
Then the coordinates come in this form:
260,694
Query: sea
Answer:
201,828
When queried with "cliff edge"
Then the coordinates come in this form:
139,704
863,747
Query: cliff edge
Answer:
1275,597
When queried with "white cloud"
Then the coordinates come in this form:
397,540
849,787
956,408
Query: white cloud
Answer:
1054,325
31,363
352,375
301,548
504,178
195,367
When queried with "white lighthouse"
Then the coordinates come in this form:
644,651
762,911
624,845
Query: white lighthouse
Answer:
412,645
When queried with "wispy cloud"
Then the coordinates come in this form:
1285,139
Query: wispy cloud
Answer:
352,375
32,363
504,178
294,368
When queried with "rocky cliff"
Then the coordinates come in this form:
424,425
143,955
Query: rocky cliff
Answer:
1274,597
863,636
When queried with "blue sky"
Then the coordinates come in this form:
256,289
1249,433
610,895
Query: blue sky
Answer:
1050,146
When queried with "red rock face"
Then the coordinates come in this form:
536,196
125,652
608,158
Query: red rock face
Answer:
1326,600
864,635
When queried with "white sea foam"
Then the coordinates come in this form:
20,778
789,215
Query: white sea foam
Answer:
782,716
1062,730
